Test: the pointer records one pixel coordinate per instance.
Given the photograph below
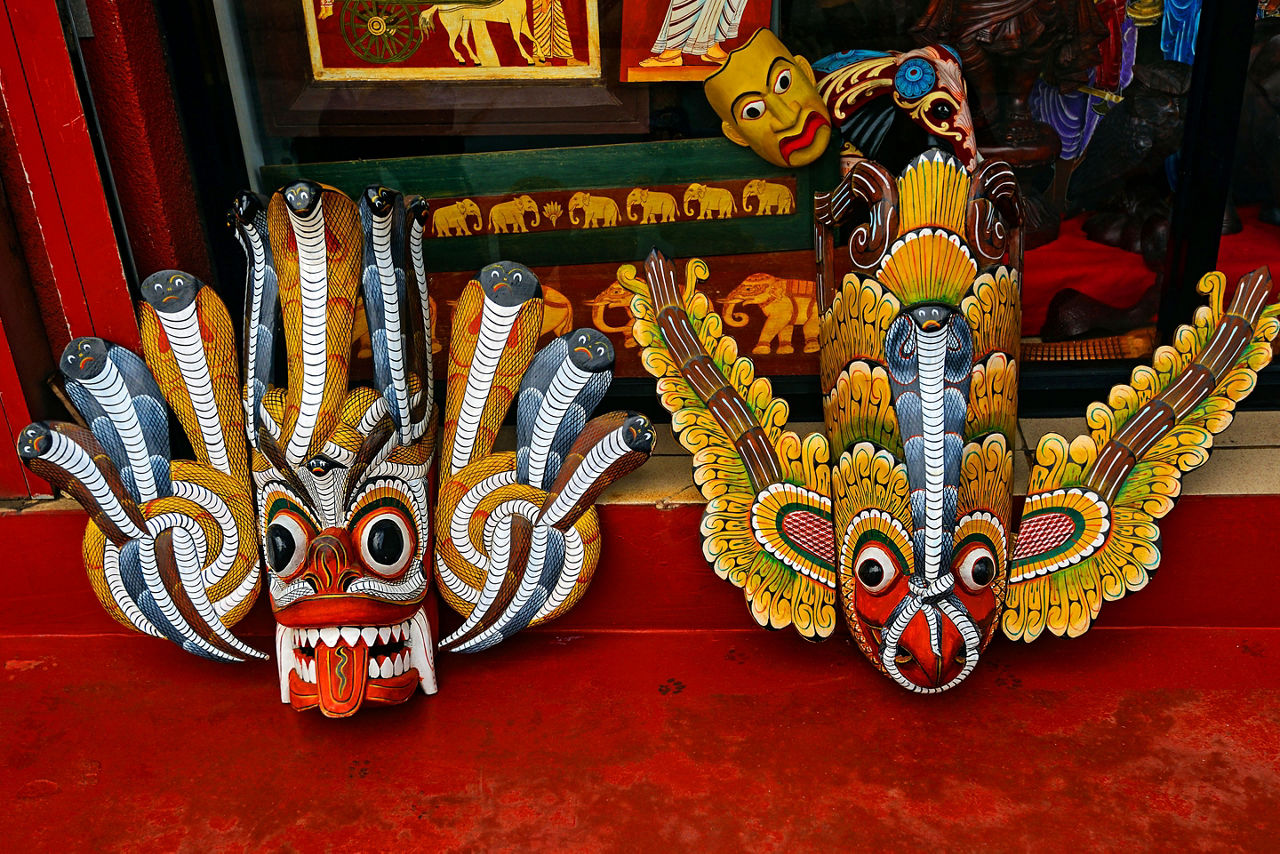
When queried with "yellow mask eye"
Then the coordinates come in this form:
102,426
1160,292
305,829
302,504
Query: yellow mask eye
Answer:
783,83
752,110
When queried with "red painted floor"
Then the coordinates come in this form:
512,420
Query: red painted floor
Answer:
714,740
656,718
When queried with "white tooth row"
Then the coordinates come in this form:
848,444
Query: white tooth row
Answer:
417,653
351,634
392,665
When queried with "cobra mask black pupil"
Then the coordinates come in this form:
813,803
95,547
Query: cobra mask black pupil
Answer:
386,542
983,571
280,546
871,572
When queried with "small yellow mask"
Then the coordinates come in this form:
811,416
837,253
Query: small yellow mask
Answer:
768,101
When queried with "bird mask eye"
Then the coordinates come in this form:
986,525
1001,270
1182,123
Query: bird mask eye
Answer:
976,568
876,568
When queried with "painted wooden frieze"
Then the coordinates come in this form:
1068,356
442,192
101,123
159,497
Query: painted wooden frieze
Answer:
750,221
563,210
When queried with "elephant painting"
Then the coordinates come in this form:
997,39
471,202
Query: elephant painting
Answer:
614,296
508,216
597,211
785,303
654,206
772,198
712,202
557,312
451,220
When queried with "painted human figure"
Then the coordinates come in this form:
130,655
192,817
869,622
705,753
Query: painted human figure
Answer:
550,32
698,28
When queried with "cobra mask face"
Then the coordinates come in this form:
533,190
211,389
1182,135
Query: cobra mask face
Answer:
341,474
921,408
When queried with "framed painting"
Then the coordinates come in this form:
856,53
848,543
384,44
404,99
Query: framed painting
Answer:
460,40
376,69
685,39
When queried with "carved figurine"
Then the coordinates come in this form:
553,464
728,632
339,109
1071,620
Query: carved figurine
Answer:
1005,46
884,104
517,537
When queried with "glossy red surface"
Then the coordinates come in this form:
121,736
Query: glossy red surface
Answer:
655,716
711,740
1120,278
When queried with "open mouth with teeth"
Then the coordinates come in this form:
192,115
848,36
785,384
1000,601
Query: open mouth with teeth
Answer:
340,668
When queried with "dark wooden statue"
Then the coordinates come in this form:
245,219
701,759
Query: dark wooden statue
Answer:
1005,46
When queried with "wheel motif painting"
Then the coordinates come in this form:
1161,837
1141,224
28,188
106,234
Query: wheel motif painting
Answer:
458,40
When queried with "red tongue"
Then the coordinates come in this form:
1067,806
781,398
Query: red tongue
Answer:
341,673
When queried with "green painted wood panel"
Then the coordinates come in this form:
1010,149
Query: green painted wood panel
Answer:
584,168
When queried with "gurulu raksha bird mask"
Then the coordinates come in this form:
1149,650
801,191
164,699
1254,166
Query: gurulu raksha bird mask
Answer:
902,512
326,480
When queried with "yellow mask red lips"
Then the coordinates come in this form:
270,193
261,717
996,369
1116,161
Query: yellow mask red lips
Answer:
813,123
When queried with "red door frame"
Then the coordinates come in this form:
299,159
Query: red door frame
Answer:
57,196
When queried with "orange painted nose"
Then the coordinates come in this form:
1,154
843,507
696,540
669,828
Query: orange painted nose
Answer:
919,663
328,565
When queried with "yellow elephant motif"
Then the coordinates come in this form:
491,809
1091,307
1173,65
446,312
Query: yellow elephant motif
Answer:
597,211
771,198
614,296
712,202
451,220
654,206
785,304
557,312
508,216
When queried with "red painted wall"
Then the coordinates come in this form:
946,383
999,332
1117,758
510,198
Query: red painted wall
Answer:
127,72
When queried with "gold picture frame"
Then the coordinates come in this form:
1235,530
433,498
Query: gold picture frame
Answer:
465,40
